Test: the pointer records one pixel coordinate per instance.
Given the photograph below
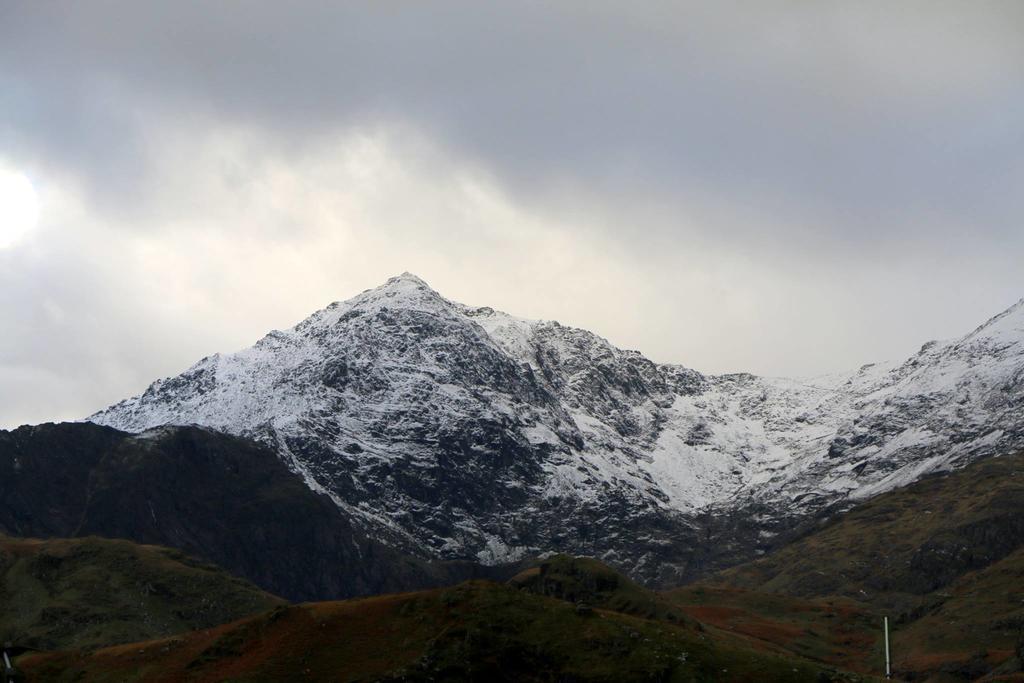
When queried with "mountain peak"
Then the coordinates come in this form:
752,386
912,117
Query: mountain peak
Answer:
436,423
1015,310
406,278
1008,325
403,291
405,285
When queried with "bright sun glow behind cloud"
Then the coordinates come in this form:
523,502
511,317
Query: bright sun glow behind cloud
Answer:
19,208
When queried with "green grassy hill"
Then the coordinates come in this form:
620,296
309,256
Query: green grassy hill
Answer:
906,543
89,592
585,581
476,631
835,632
943,558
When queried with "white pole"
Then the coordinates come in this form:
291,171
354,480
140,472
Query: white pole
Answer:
888,671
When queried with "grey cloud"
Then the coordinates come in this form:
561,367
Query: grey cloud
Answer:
840,167
785,105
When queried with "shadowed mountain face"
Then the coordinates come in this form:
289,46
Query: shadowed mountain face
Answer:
225,499
460,432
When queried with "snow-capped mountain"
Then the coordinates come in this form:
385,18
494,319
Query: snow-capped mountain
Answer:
455,431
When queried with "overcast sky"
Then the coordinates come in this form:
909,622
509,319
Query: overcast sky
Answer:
786,188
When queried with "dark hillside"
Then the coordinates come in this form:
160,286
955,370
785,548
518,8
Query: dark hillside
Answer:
477,631
221,498
93,592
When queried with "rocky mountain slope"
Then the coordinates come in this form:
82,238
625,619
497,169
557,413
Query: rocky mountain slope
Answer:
462,432
220,498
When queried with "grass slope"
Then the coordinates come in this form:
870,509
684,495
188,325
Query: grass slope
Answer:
837,632
909,542
943,558
89,592
586,581
974,626
475,631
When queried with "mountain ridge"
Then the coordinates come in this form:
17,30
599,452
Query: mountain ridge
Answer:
463,432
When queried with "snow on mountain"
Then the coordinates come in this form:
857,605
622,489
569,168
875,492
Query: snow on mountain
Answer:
456,431
945,406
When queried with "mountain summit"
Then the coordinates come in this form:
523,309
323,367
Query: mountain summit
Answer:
462,432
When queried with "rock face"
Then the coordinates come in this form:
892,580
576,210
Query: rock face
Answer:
461,432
